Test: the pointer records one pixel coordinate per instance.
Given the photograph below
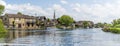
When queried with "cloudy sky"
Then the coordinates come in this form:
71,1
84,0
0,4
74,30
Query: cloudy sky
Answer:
94,10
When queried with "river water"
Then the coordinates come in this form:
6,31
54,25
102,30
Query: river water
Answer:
56,37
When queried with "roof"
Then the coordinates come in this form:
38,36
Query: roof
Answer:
19,16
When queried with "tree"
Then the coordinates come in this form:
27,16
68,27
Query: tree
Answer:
85,24
48,20
13,24
38,23
66,20
2,29
19,13
99,25
1,9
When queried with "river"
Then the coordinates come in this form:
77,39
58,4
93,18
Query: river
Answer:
56,37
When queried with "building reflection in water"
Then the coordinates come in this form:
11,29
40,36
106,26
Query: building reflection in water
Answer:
14,34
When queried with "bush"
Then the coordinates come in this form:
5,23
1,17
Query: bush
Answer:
106,29
115,30
2,29
117,26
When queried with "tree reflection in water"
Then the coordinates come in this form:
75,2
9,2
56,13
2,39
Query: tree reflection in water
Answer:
14,34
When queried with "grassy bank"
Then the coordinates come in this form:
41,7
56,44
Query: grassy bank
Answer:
65,27
2,29
113,30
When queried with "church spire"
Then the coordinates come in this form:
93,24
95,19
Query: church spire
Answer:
54,17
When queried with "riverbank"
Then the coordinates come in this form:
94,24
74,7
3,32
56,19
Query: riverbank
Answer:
113,30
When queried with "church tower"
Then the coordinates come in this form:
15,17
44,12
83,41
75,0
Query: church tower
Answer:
54,17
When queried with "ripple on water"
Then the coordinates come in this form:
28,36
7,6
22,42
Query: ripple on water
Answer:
77,37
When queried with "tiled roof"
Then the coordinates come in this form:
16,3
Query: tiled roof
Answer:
19,16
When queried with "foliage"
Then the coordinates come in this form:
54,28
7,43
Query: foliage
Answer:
117,26
19,13
2,29
115,30
116,22
13,24
3,34
48,20
85,24
1,9
66,20
98,25
38,23
114,27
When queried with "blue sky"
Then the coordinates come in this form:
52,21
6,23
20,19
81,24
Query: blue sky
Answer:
93,10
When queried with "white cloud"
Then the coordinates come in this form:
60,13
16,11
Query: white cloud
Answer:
76,7
98,12
59,8
2,2
64,2
104,12
25,8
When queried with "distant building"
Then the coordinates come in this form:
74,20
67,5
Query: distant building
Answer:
41,18
80,24
53,22
41,21
19,21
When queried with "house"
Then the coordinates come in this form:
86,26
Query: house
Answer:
41,21
19,21
52,22
81,24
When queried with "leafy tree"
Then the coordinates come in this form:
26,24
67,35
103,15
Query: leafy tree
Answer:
13,24
48,19
2,29
38,23
66,20
98,25
115,22
85,24
19,13
1,9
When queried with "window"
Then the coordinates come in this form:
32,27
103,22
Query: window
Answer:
5,18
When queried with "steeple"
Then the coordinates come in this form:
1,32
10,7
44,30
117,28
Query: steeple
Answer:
54,17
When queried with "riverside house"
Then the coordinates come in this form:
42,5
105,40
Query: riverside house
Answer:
19,21
80,24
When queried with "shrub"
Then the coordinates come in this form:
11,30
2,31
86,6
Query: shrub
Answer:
115,30
2,29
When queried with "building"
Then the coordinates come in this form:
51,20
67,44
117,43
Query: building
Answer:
81,24
41,21
19,21
54,21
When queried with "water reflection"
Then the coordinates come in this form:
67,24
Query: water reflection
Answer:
77,37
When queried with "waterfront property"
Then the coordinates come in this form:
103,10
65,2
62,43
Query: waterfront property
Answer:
19,21
88,24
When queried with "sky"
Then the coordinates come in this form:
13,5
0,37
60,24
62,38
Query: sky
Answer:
80,10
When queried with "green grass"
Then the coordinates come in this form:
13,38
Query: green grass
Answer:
115,30
112,29
2,29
